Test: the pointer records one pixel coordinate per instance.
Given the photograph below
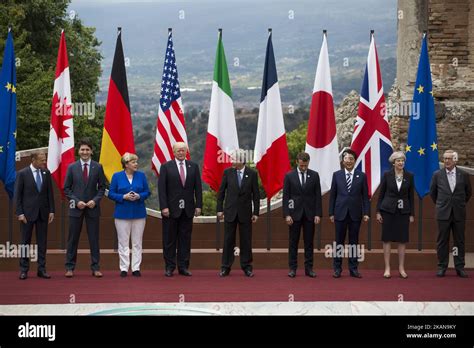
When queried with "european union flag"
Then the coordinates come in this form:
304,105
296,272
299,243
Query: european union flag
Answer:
422,145
8,117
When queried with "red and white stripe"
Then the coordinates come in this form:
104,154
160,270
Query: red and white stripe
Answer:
170,129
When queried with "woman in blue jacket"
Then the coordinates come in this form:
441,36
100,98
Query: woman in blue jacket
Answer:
129,189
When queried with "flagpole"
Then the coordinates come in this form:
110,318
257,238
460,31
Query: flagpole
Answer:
269,230
420,222
420,206
218,223
10,220
319,227
369,227
10,201
63,224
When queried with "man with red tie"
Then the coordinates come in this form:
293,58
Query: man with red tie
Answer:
180,195
84,186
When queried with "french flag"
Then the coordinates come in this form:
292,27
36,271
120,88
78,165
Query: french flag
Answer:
271,150
321,139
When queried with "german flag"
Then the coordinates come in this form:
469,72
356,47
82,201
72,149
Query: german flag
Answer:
117,137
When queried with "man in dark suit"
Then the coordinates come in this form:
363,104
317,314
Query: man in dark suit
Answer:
34,208
450,190
84,186
348,206
302,207
180,195
239,188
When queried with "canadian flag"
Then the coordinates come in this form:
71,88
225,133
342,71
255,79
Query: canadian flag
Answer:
61,133
321,140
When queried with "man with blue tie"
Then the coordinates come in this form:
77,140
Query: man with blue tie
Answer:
239,188
348,206
34,208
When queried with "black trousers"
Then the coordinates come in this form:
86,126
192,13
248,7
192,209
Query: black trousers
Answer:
41,227
245,233
341,229
177,237
294,239
75,227
444,229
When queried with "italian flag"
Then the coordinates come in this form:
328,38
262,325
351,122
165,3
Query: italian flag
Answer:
221,137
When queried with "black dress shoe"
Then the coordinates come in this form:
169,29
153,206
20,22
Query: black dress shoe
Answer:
224,273
355,274
168,273
248,273
185,273
123,274
136,274
337,274
23,275
310,273
441,273
43,275
292,273
461,273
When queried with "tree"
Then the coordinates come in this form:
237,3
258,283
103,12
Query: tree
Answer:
296,140
36,27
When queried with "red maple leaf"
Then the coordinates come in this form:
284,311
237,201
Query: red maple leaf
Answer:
60,112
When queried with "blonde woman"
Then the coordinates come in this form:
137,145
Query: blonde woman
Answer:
129,189
395,210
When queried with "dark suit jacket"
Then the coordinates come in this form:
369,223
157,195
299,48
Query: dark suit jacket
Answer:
29,201
356,202
389,194
447,201
76,190
238,201
171,192
305,199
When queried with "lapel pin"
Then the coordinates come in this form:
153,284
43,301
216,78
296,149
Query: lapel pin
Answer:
246,176
357,176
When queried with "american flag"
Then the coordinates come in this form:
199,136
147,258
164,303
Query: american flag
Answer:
371,139
170,126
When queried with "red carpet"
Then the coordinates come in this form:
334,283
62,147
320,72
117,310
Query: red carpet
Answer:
206,286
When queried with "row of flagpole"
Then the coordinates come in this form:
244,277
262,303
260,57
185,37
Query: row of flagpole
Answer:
371,139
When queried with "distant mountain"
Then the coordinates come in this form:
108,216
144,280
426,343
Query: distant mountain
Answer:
297,29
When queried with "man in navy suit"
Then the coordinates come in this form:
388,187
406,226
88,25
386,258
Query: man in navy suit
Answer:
180,194
84,186
302,207
348,206
34,208
239,189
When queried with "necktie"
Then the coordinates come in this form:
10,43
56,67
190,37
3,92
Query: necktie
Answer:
85,173
452,183
181,173
349,182
302,179
38,180
239,178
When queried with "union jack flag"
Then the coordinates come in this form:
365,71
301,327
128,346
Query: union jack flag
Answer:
371,138
170,126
